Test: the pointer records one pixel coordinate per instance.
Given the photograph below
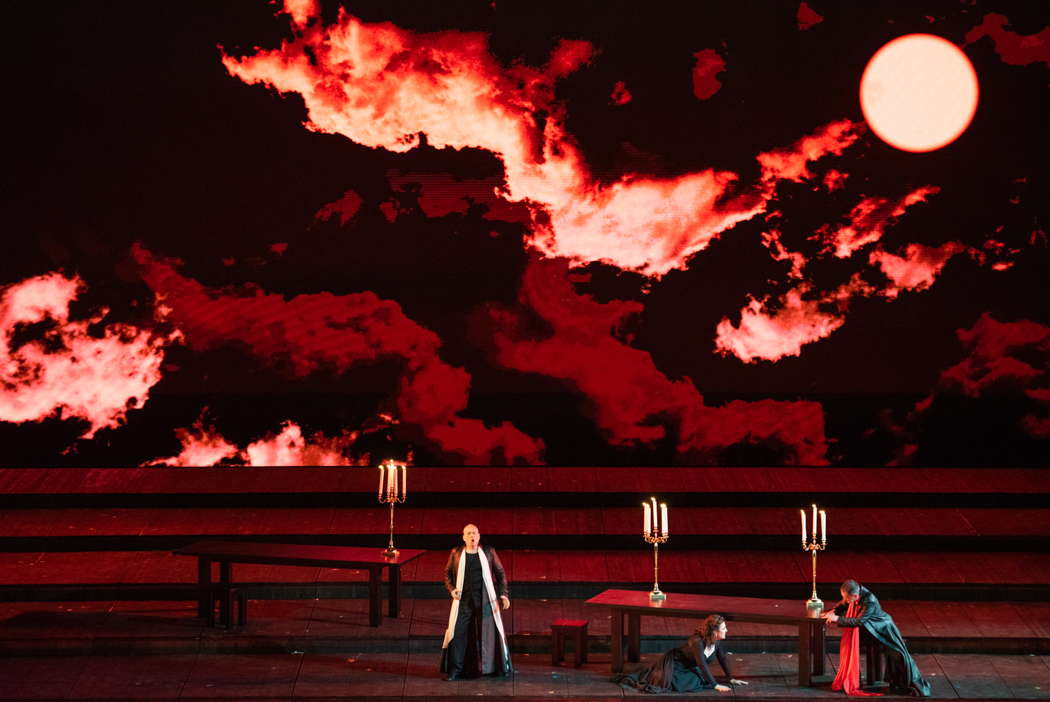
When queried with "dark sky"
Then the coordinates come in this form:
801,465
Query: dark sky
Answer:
420,308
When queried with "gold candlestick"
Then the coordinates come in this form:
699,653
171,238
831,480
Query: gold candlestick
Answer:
655,532
814,605
393,488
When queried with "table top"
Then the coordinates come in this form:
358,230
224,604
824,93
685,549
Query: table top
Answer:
757,609
296,554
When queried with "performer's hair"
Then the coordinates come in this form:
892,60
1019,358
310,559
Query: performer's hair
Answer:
708,627
851,587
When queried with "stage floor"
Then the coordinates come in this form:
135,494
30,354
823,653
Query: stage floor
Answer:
351,674
323,649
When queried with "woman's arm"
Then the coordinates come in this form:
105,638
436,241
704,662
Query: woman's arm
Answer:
702,671
723,659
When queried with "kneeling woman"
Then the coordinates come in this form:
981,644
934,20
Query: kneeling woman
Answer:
687,668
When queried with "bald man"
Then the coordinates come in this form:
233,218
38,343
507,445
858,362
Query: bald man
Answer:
475,641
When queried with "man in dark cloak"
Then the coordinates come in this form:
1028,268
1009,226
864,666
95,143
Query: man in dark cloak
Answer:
475,642
901,672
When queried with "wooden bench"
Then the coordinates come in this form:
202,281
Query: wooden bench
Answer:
226,553
634,605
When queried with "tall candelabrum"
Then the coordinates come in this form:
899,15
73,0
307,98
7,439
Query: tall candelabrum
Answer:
393,487
655,532
814,606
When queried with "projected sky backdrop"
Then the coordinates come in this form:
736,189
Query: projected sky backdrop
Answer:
513,232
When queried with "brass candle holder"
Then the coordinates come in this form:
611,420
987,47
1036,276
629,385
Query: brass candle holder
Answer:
393,488
655,532
814,605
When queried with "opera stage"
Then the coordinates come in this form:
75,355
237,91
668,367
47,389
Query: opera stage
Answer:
95,606
740,258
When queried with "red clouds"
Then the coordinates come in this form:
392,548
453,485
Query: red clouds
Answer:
382,86
792,163
344,208
440,194
772,328
794,430
306,333
203,446
999,354
770,334
1004,366
807,17
620,94
623,383
568,56
917,268
301,11
633,402
868,220
1013,48
705,73
73,368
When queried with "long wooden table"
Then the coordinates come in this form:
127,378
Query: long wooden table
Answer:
634,605
226,553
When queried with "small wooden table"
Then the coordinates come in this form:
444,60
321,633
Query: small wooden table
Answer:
811,632
226,553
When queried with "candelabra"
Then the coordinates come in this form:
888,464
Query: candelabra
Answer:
392,490
655,532
814,606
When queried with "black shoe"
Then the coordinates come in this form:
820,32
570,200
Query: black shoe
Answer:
451,676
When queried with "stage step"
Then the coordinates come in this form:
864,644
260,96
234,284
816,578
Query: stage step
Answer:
714,528
543,574
531,486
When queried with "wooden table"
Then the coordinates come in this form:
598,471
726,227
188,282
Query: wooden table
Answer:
226,553
634,605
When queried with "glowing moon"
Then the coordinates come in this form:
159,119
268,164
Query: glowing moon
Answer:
919,92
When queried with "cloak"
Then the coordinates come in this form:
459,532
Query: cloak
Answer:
495,581
903,675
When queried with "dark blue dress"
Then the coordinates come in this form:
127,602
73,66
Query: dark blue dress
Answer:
682,669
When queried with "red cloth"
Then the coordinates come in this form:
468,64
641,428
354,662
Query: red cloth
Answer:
848,677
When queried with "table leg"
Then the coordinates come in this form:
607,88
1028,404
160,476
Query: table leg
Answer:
634,637
805,650
616,657
820,647
395,590
375,612
225,579
205,600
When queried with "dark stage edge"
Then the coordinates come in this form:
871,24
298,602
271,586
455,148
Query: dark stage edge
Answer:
414,677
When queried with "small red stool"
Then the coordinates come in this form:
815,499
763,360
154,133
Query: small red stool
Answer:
562,629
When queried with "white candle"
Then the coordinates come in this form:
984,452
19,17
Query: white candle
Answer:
665,530
803,513
814,522
381,473
647,518
391,481
404,481
656,517
823,526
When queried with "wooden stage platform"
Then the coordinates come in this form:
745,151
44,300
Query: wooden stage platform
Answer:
88,583
324,649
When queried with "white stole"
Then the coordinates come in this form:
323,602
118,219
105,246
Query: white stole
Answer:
490,590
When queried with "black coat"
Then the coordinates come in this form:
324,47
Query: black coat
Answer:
499,577
877,622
